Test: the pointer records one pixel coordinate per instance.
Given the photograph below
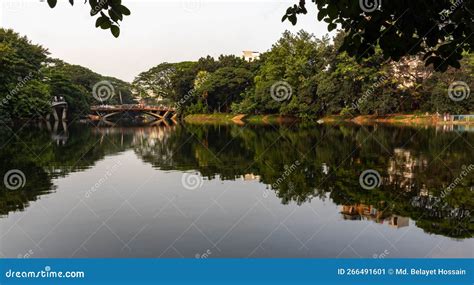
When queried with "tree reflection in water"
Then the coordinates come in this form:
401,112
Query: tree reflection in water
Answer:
297,163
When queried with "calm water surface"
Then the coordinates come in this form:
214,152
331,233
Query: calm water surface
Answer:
237,191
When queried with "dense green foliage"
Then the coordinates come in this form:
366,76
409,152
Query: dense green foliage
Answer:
207,85
319,80
439,29
29,79
22,92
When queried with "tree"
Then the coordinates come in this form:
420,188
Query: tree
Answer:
75,95
201,77
29,79
22,93
435,96
440,29
351,87
156,83
86,79
182,83
289,65
33,100
224,87
114,9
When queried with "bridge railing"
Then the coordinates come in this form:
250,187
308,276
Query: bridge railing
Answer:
58,99
133,107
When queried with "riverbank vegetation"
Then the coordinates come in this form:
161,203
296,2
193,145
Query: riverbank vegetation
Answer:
301,76
30,78
306,77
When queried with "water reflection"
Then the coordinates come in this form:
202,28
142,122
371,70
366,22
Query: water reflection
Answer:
59,132
296,165
370,213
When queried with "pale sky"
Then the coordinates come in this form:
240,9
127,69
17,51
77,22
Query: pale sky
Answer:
156,31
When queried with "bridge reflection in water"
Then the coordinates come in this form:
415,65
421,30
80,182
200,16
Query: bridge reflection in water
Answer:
409,215
158,114
140,136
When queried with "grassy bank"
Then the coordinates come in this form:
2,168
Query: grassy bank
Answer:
210,119
237,119
395,119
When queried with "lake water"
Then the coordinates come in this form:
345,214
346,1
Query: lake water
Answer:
237,191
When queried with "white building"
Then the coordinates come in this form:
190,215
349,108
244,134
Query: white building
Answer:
250,55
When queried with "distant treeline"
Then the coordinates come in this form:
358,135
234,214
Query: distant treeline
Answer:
29,79
307,77
300,76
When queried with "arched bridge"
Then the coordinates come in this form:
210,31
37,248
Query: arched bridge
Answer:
159,113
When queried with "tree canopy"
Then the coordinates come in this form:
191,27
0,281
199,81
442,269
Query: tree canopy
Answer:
29,79
300,76
440,29
313,79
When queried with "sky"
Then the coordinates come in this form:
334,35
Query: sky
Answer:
156,31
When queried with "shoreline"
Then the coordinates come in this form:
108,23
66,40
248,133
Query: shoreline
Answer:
395,119
392,119
239,119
